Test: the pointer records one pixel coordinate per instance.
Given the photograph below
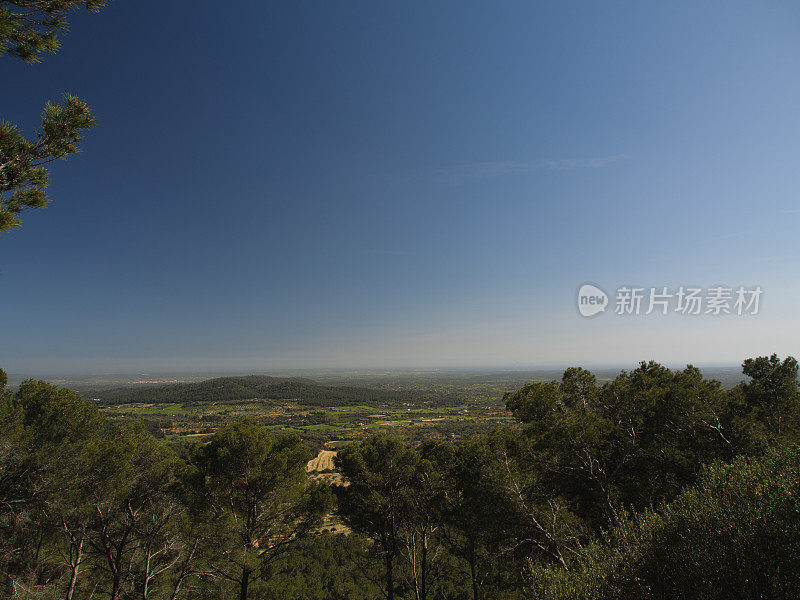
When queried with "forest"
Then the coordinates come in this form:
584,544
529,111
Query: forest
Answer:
231,389
656,484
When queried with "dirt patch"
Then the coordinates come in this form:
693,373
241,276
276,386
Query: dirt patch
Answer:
323,461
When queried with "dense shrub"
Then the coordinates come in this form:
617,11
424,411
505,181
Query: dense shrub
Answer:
734,535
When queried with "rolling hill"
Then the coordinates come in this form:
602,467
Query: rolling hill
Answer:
251,387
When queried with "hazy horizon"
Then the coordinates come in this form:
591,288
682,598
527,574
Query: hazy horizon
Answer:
348,374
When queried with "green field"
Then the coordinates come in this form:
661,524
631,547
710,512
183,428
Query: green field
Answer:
427,405
439,404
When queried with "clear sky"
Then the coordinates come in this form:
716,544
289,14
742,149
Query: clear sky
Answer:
351,184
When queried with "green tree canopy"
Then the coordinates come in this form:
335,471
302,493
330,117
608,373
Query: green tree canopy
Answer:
766,409
380,471
732,536
632,442
23,175
28,28
255,488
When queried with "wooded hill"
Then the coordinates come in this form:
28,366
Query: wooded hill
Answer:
261,387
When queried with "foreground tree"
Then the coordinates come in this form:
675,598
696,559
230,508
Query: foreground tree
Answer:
631,443
46,431
732,536
380,471
23,175
474,514
256,493
84,504
29,28
421,526
129,496
765,410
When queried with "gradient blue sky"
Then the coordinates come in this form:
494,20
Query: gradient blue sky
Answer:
352,184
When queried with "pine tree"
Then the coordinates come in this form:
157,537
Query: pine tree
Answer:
23,175
29,28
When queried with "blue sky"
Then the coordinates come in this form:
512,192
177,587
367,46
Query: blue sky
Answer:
331,184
